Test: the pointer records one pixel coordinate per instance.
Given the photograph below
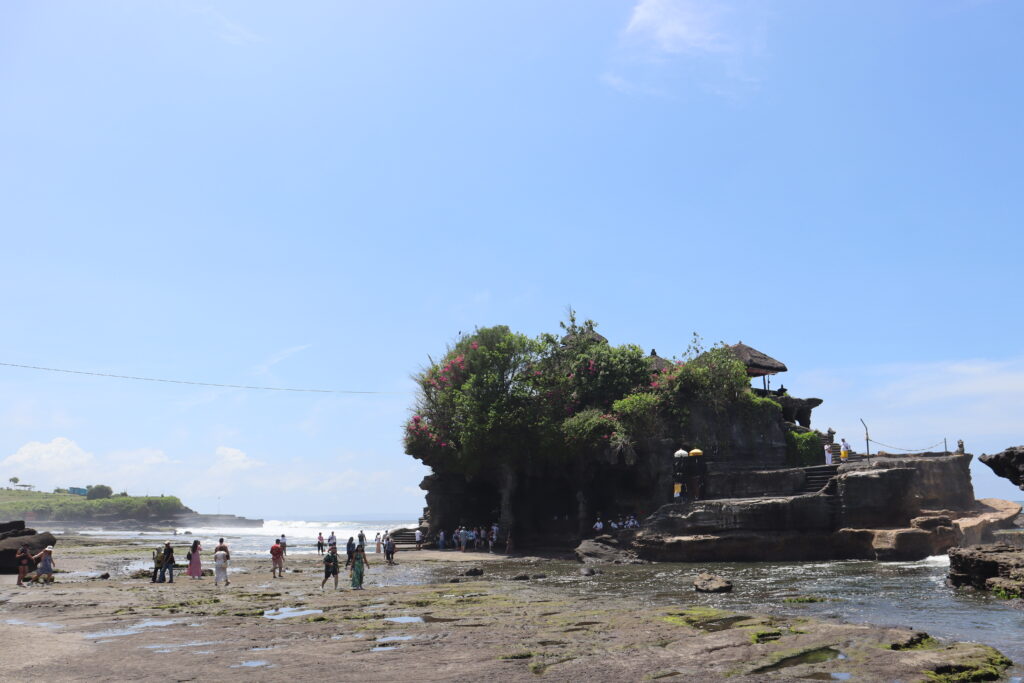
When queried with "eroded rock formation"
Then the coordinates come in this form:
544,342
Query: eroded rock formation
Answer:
904,508
995,567
1008,464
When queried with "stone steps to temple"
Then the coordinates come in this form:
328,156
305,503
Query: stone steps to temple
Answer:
818,478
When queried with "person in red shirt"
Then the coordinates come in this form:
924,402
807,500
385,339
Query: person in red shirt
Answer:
277,558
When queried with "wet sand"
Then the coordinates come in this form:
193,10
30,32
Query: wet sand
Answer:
412,623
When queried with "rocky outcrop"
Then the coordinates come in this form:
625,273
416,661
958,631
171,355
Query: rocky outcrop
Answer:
711,583
885,509
1008,464
994,567
605,549
730,484
12,535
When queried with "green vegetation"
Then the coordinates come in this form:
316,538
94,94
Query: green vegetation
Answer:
499,396
988,666
804,449
36,505
804,598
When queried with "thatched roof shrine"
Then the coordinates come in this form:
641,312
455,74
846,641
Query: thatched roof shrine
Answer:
758,363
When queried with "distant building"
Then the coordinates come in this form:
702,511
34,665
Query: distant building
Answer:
77,491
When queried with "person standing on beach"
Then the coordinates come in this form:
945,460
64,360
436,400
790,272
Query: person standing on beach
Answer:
167,564
276,560
23,558
284,548
350,549
377,542
195,562
440,539
389,550
222,546
331,567
419,540
844,450
320,543
158,561
220,565
362,538
332,539
359,565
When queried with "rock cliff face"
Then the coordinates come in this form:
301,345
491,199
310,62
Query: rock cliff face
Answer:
884,509
994,567
1008,464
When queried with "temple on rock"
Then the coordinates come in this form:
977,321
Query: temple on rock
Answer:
543,436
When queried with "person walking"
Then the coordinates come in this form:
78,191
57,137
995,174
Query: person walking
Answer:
359,566
222,546
440,539
284,548
331,567
389,550
195,562
23,558
167,564
419,539
276,560
350,549
220,565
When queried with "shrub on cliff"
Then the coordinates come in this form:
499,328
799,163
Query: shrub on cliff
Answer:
804,449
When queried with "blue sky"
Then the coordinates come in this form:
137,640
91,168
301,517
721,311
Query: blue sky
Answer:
321,197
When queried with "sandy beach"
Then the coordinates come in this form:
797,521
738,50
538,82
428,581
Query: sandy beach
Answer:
413,622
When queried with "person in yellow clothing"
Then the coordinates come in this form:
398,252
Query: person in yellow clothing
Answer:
844,450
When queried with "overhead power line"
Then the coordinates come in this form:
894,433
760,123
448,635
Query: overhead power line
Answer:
199,384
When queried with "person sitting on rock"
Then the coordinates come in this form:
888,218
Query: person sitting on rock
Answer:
598,525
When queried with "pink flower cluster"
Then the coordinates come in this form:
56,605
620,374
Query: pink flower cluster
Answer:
418,428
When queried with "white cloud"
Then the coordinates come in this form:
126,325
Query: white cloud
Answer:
62,455
680,26
231,460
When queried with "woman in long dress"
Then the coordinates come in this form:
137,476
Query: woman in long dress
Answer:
378,542
359,565
195,563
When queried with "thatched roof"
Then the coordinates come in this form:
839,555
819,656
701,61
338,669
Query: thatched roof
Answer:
586,336
657,362
758,364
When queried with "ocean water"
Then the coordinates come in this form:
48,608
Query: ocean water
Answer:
256,541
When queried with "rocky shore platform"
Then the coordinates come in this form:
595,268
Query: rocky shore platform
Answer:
995,567
414,622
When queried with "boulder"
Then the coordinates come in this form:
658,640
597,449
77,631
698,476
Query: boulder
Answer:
1008,464
521,577
537,577
931,522
976,565
473,571
711,583
9,548
601,550
587,571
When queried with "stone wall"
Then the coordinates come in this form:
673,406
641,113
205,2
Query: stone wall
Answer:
732,484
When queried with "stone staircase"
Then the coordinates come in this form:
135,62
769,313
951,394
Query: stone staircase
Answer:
817,478
405,538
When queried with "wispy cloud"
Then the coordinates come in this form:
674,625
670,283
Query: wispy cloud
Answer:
264,367
680,26
668,44
227,29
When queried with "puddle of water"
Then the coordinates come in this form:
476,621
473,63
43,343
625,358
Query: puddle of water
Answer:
383,648
822,654
42,624
261,649
250,663
722,624
389,639
289,612
821,676
405,620
174,646
130,630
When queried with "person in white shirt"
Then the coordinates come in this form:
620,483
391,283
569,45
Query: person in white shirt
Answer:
844,450
220,566
419,540
828,454
598,525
